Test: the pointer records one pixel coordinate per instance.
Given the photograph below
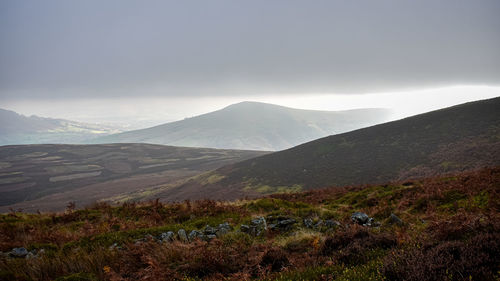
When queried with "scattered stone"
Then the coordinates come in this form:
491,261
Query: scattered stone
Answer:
308,223
195,234
260,223
167,236
19,252
257,227
360,218
209,237
364,220
245,228
182,235
372,223
223,229
209,230
393,219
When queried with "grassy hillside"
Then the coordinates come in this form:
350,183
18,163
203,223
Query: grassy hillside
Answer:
443,228
252,125
459,138
47,177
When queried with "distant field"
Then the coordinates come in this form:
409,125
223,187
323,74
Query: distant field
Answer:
47,177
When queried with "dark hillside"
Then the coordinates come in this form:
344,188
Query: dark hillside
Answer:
463,137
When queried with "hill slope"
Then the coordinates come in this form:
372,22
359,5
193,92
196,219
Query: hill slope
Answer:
458,138
19,129
47,177
431,229
252,125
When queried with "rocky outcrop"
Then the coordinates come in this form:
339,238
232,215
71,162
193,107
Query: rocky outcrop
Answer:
364,220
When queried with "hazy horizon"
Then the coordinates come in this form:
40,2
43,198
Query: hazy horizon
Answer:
160,61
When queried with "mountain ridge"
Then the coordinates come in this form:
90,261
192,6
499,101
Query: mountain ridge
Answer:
454,139
252,125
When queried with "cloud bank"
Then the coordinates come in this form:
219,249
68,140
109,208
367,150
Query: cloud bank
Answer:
73,49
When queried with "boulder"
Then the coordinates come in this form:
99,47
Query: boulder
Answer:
208,237
182,235
360,218
260,223
195,234
372,223
223,229
209,230
256,228
167,236
18,252
245,228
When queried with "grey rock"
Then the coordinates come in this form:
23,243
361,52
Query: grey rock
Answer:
31,255
359,218
195,234
182,235
210,237
167,236
225,226
308,223
245,228
223,229
256,228
209,230
19,252
260,223
393,219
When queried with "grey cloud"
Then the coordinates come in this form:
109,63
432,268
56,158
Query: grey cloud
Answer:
115,48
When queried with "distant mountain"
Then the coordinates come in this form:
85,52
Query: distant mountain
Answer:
253,125
47,177
459,138
20,129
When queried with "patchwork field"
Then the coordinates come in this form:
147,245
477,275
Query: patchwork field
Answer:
48,177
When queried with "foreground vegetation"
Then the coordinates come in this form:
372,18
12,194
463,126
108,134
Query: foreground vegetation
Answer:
449,230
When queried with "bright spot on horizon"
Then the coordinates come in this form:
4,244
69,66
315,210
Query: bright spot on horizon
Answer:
148,111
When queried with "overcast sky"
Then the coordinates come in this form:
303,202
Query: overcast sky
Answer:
70,51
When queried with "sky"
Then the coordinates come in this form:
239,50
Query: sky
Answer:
154,61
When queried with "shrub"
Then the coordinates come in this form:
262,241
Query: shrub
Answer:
476,259
352,246
275,258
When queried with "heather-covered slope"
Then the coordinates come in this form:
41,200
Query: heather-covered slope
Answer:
443,228
463,137
253,125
